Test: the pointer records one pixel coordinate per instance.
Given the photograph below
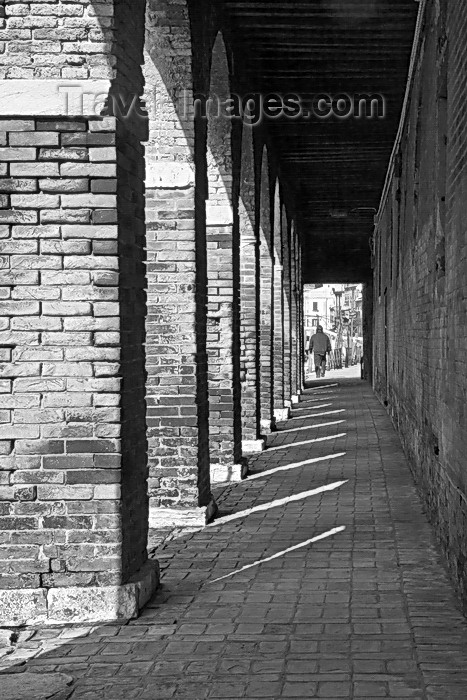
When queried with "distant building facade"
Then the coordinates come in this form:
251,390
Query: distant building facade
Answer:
320,306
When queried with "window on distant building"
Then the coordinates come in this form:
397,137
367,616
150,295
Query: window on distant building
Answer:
315,306
314,322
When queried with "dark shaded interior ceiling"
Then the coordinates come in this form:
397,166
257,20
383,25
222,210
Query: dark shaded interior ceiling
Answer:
336,167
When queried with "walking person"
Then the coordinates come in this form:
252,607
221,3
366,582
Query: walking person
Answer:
319,347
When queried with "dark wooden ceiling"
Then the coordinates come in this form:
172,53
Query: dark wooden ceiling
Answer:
336,167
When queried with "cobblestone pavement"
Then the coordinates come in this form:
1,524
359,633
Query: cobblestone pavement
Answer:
364,612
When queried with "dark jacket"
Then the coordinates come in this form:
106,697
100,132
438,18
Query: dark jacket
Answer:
320,343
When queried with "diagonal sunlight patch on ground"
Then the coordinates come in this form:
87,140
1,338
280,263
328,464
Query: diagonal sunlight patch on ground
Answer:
310,408
320,388
310,427
327,413
295,465
329,533
291,445
278,503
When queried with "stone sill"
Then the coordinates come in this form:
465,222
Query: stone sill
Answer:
41,606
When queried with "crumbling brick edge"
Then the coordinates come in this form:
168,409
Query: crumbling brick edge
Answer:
52,606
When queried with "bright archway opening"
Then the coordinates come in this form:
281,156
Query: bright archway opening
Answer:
337,310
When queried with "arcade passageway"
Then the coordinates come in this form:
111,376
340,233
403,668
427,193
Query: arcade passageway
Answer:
319,579
172,172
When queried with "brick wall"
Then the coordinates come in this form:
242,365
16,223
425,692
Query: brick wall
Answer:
132,296
367,318
286,299
278,282
301,317
73,436
266,305
294,315
103,325
59,343
249,291
225,439
131,135
419,295
176,269
56,40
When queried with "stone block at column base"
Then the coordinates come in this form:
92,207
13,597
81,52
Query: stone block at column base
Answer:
27,606
250,447
267,427
288,404
295,399
79,604
281,414
170,518
222,473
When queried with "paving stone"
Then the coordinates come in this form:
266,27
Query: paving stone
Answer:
333,689
299,690
366,612
24,686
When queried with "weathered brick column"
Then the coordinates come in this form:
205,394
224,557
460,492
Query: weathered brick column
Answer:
224,438
177,398
294,316
266,272
298,317
74,509
301,319
286,306
280,411
249,299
